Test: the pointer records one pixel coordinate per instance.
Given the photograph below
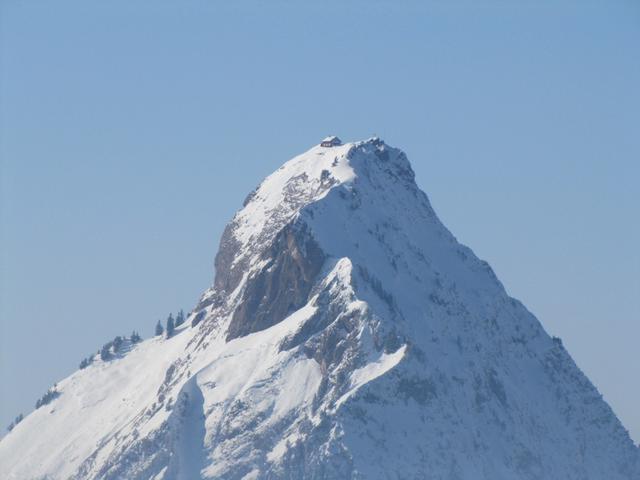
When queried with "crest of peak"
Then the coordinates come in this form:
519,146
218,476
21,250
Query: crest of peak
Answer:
334,141
371,141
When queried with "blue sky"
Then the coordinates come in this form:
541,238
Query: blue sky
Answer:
130,132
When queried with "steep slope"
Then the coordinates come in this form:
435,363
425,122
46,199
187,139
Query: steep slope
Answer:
347,335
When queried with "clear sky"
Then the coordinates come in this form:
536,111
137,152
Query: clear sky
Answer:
131,130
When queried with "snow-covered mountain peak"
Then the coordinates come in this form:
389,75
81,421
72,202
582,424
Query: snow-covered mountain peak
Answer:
347,335
357,201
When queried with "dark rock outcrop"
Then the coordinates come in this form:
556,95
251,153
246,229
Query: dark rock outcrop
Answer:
282,285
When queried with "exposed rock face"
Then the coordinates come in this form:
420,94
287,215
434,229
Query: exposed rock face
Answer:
282,286
227,277
347,335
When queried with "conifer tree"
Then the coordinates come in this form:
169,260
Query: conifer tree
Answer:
105,352
51,394
180,318
117,343
170,326
159,328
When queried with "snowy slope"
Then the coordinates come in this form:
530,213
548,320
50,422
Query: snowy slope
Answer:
347,335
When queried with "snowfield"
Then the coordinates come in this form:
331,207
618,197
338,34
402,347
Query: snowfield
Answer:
347,335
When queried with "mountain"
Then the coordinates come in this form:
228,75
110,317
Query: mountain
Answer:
347,335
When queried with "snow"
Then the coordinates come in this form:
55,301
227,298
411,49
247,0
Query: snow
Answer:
371,371
408,360
94,403
269,209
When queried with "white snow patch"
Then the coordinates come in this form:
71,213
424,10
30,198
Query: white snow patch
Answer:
371,371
